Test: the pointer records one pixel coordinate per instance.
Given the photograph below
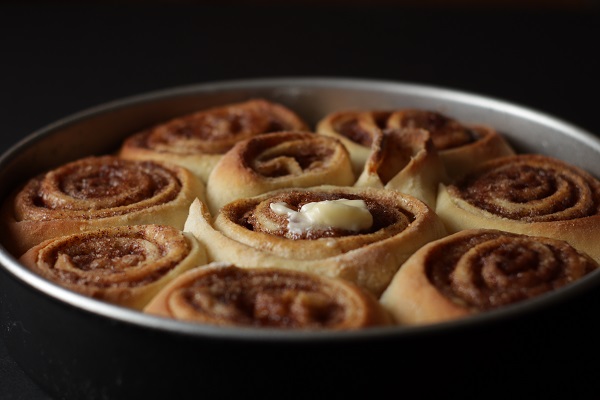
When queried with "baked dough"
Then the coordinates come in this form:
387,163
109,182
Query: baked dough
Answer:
357,129
461,147
404,160
124,265
250,233
479,270
198,140
278,160
96,192
226,295
530,194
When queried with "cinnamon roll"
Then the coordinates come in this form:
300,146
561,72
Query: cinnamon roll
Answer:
97,192
278,160
226,295
359,234
404,160
357,130
123,265
530,194
478,270
198,140
460,146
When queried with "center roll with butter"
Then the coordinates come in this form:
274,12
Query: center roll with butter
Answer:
359,234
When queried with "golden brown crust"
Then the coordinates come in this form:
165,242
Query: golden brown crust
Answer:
97,192
477,270
526,193
198,140
248,232
446,133
275,161
125,265
404,160
227,295
357,130
461,147
421,175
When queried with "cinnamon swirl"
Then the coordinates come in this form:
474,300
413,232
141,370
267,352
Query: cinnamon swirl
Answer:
477,270
197,141
226,295
97,192
530,194
360,234
278,160
124,265
460,146
357,130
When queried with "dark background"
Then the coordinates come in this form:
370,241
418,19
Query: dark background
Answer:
60,58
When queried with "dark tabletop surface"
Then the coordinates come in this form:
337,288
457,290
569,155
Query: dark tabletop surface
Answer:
60,59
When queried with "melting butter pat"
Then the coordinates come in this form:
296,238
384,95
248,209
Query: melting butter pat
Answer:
351,215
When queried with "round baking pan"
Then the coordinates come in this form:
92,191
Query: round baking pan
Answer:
76,347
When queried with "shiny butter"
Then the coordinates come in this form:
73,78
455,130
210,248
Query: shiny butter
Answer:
351,215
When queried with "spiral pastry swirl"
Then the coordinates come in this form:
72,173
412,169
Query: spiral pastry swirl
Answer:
254,232
96,192
478,270
446,133
358,130
526,193
275,161
460,146
259,217
531,188
124,265
226,295
197,141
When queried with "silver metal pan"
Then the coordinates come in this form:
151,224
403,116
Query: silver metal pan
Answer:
80,348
